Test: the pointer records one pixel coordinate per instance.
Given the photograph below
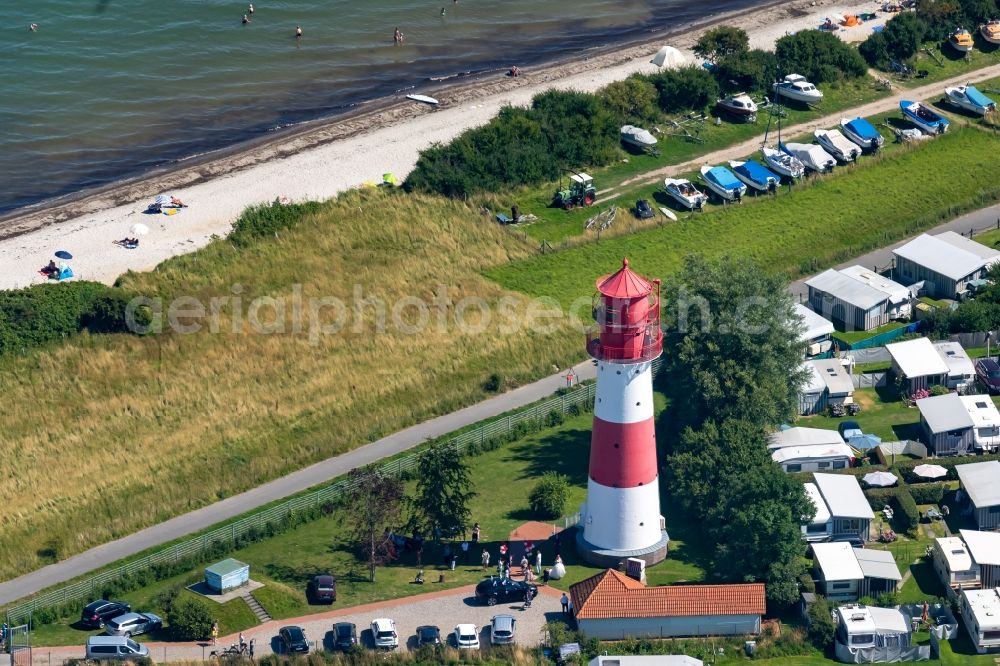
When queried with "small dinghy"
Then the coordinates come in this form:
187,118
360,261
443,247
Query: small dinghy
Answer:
756,175
863,133
921,116
739,105
723,182
837,145
970,99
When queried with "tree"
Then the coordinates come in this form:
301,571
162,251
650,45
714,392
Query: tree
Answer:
548,498
978,11
444,489
633,99
189,618
819,56
735,348
821,624
748,71
373,506
904,34
722,42
942,16
685,89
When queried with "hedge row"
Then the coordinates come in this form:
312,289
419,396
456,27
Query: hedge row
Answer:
905,468
906,515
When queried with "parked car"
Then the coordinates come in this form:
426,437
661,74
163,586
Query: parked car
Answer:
855,541
467,637
345,635
97,613
502,629
643,210
988,372
384,633
428,635
133,624
846,426
322,589
106,648
492,590
293,640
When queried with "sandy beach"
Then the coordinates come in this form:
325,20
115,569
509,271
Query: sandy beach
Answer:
319,161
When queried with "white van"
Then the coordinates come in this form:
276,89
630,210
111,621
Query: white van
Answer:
103,648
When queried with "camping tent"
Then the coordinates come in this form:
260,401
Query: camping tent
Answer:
668,56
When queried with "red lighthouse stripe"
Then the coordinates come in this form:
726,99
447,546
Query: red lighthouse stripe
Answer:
623,455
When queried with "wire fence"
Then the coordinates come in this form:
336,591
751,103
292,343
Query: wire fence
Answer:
582,394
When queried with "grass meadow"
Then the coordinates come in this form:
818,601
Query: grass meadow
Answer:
104,435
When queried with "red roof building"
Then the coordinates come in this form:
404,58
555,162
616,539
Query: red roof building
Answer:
612,606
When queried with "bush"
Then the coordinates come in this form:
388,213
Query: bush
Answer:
939,390
685,89
821,624
630,101
190,619
819,56
722,42
268,219
750,71
45,313
906,516
548,497
928,493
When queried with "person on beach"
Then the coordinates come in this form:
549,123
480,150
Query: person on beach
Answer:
298,32
174,201
245,19
250,9
397,36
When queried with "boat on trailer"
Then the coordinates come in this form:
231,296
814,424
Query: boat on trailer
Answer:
837,145
739,105
756,175
990,31
961,40
685,193
970,99
863,133
637,137
812,156
928,121
723,182
782,163
796,87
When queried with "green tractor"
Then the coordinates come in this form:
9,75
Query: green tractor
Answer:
581,192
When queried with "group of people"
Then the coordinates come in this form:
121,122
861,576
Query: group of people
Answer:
531,553
128,243
248,18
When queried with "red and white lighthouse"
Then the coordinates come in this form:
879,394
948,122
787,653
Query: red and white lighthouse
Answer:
621,517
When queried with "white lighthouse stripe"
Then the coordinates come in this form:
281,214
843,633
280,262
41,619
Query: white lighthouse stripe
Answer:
624,392
622,518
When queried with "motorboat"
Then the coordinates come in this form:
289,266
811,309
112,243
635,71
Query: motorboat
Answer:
795,87
812,156
782,163
739,105
991,31
685,193
970,99
723,182
921,116
863,133
637,137
837,145
961,40
756,175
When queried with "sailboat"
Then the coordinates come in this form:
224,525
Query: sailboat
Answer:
777,160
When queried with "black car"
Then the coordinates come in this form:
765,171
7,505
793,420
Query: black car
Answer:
855,541
293,640
643,210
345,635
322,589
492,590
988,372
428,635
97,613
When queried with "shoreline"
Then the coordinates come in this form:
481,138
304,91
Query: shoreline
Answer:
318,159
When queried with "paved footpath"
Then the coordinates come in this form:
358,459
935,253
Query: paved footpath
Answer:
443,608
295,482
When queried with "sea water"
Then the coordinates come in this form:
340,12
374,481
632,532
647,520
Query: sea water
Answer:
109,89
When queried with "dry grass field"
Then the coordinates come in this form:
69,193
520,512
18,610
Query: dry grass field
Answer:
106,434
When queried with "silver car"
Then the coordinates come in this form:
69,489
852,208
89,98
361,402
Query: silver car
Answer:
502,629
133,624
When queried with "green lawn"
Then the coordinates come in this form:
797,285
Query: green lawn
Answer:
875,366
852,337
881,414
801,231
950,63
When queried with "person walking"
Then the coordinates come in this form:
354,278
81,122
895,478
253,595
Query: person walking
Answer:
564,600
242,642
524,563
538,562
453,558
475,533
215,632
252,641
486,559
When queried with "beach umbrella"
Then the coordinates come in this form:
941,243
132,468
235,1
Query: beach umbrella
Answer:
138,229
881,479
930,471
864,442
63,254
668,56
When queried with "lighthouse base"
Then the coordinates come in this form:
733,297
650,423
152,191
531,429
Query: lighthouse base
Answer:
615,559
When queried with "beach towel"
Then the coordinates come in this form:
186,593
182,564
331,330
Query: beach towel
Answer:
170,211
